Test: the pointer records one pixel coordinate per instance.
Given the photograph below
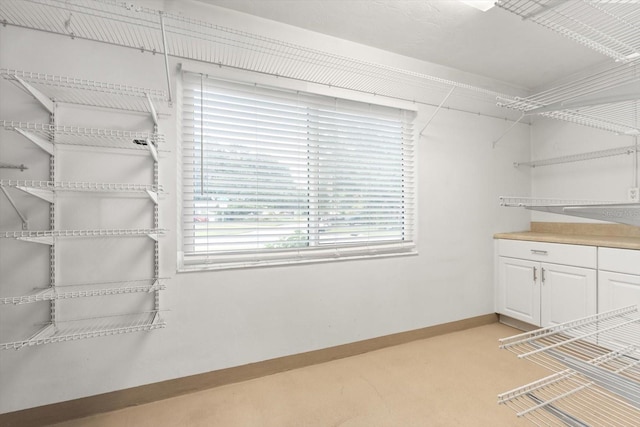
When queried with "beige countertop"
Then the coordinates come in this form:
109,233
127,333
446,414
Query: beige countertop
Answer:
603,235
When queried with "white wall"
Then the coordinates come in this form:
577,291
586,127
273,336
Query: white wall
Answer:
605,179
229,318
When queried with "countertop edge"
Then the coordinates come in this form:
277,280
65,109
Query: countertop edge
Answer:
600,241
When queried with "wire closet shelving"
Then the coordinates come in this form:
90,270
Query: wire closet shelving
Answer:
596,361
611,211
608,97
52,91
172,34
72,330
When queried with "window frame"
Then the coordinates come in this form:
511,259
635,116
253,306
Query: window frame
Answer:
273,257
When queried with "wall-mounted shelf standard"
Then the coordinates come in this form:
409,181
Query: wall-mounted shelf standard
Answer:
62,291
619,212
90,328
597,365
631,149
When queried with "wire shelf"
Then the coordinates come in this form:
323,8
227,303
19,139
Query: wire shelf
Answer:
581,157
606,99
597,365
86,92
81,233
82,186
572,399
90,328
525,202
609,27
619,212
93,137
87,290
141,28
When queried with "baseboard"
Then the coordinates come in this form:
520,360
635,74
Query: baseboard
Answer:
515,323
92,405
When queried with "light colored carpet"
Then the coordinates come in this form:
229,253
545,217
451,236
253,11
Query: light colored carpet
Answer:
448,380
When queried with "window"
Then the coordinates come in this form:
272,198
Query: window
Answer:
274,176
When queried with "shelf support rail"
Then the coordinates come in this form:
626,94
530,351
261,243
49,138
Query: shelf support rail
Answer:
25,223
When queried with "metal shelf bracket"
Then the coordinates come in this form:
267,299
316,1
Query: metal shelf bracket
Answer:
39,96
46,195
23,219
44,240
153,195
44,144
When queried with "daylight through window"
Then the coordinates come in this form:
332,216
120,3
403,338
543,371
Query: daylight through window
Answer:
277,176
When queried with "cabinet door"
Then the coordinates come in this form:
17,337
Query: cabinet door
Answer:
568,293
616,290
519,289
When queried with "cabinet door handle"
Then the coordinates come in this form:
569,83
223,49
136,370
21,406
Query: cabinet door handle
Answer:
535,274
538,252
542,274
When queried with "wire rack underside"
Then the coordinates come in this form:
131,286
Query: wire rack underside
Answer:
607,98
90,328
141,28
597,365
606,26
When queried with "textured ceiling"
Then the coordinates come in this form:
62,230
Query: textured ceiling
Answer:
494,44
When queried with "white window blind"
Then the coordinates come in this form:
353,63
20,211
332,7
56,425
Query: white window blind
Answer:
273,176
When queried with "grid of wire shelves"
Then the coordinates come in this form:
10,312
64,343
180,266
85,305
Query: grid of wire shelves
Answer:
606,26
606,99
90,328
84,290
631,149
88,92
150,30
596,361
43,134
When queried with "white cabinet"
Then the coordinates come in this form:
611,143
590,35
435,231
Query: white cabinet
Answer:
618,278
546,283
